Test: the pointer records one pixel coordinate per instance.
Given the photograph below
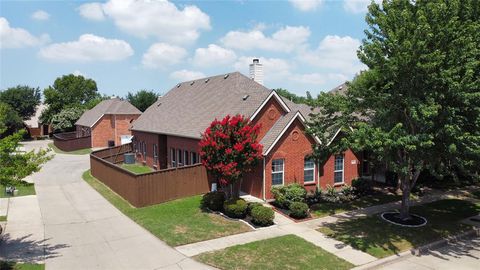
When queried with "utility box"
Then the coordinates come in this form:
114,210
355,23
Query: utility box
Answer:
129,158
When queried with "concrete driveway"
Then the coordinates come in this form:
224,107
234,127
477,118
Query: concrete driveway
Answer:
84,231
463,255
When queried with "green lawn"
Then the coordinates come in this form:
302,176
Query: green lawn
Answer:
324,208
23,190
176,222
20,266
76,152
137,168
3,218
284,252
381,239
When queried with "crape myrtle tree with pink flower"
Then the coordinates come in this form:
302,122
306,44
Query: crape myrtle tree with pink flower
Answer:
229,148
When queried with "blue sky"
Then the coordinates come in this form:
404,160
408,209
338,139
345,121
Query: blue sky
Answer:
127,45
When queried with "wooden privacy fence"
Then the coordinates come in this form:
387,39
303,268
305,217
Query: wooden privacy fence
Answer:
149,188
71,141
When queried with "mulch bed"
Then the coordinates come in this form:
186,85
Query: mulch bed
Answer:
286,213
413,221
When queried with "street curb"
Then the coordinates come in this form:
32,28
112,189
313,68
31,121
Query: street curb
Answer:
475,232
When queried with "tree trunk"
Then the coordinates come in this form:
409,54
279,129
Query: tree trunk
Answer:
406,189
236,189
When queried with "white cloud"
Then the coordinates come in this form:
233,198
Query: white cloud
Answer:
319,78
335,53
40,15
284,40
186,75
160,55
146,18
92,11
18,37
87,48
358,6
213,55
306,5
79,73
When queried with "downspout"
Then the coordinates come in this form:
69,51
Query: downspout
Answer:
115,129
263,180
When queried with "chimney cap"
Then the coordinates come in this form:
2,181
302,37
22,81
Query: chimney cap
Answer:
256,60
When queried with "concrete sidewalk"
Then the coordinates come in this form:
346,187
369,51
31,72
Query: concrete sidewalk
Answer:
24,236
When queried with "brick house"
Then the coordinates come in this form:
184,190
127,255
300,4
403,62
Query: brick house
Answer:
35,127
108,123
166,135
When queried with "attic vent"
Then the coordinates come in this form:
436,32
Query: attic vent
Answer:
226,76
245,97
178,85
206,80
159,103
192,82
340,88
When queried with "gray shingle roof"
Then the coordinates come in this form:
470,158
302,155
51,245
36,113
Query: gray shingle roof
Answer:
275,131
341,89
189,108
109,106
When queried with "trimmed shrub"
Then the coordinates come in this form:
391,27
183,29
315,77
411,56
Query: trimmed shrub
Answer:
347,194
330,195
314,197
235,208
252,205
362,186
298,210
214,200
262,216
285,195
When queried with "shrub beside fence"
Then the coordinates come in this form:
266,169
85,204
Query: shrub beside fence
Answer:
71,141
149,188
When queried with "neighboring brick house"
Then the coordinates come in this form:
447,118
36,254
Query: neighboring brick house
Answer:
166,135
34,126
108,123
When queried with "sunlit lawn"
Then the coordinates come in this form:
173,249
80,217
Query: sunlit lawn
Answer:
284,252
176,222
23,190
20,266
76,152
137,168
380,238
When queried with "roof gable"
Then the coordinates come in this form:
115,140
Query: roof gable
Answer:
109,106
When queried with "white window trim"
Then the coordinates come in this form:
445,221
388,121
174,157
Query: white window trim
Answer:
186,158
144,151
342,170
180,164
192,156
282,172
310,169
173,159
155,154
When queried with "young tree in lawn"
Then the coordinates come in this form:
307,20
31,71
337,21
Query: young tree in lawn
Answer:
417,106
18,165
229,148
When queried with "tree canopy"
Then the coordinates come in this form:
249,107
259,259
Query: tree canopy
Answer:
66,118
68,91
295,98
10,121
142,99
23,99
229,148
417,106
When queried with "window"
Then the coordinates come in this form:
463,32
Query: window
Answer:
144,151
186,157
277,172
338,169
308,170
193,157
134,143
180,157
173,158
155,154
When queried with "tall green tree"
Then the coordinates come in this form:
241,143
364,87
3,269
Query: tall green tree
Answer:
10,121
23,99
67,91
18,165
417,106
142,99
295,98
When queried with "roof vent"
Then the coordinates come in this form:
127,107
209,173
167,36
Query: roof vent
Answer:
191,83
245,97
159,103
178,85
340,88
226,76
206,80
